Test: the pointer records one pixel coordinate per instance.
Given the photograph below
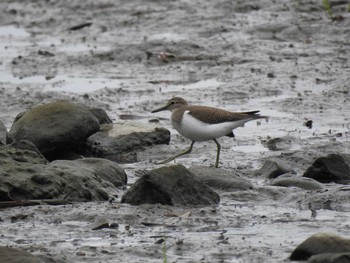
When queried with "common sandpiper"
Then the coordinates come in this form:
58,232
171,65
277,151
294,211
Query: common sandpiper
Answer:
202,123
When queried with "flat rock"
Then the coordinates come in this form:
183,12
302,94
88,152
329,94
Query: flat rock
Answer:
16,255
171,185
221,179
55,128
273,168
25,175
332,168
319,244
291,180
120,142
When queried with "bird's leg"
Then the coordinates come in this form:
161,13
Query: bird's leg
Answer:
218,153
177,155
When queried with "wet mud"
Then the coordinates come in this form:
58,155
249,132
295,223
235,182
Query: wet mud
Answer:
287,59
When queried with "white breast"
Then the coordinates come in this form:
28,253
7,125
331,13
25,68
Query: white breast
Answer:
196,130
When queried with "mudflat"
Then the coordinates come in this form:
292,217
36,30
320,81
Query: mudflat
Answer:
287,59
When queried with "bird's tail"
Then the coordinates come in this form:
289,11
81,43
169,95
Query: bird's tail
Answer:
255,114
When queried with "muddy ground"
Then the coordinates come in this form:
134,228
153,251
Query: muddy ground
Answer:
285,58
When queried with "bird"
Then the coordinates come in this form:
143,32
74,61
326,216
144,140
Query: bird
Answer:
203,123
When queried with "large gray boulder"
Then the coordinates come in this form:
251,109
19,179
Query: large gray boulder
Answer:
26,175
170,185
55,128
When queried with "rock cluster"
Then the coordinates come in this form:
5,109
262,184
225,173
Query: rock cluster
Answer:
49,153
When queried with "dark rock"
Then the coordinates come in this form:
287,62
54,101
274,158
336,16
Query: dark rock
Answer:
170,185
101,115
119,142
24,175
319,244
220,179
3,134
55,127
289,180
330,258
273,168
15,255
332,168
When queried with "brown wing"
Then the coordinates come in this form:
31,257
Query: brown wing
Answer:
214,115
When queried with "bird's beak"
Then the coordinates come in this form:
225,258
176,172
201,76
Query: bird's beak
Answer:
160,109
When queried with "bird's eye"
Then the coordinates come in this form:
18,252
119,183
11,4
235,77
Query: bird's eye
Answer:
172,103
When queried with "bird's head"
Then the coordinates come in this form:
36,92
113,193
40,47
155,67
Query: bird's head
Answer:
172,104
